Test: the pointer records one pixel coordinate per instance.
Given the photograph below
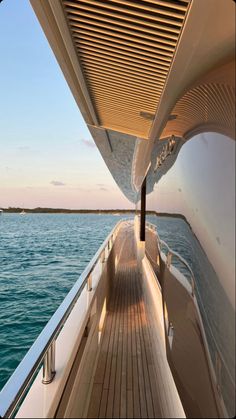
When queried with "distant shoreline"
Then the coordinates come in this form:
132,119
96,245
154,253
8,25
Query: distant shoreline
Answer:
39,210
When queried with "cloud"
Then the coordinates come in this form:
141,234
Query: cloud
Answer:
88,143
102,187
57,183
23,148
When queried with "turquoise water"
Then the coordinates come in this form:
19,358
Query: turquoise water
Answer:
41,257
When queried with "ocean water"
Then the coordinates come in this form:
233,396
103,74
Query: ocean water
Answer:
42,256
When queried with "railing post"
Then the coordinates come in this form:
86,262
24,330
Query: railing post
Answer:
143,212
218,371
53,356
89,283
49,364
170,334
103,256
193,286
168,259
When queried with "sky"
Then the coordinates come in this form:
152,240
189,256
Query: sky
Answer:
48,158
47,155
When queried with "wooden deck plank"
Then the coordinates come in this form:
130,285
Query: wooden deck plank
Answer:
136,396
142,319
95,401
114,367
106,378
150,365
142,392
123,391
117,378
129,341
124,379
109,382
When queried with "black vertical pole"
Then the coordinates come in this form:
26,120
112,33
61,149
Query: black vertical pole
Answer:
143,211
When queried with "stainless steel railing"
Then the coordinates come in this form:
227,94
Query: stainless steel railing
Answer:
44,347
170,253
169,257
219,361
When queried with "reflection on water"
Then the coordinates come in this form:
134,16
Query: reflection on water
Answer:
217,313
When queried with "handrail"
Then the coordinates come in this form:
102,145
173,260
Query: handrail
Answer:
220,358
172,253
44,346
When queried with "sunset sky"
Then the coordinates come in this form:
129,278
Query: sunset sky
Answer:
47,156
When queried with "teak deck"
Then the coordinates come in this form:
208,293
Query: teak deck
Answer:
125,383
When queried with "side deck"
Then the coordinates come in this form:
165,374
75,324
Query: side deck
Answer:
112,344
125,383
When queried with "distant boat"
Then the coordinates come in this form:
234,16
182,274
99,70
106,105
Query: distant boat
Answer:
23,212
1,211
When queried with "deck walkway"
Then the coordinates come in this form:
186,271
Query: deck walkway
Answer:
125,382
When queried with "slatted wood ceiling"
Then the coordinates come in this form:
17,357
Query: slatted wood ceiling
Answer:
125,49
209,106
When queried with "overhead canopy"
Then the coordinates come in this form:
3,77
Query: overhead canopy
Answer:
138,69
124,49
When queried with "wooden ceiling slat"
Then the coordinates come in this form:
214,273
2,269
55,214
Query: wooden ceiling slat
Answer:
125,49
120,98
128,72
106,107
136,105
162,3
170,18
134,64
138,25
97,36
139,84
124,32
125,88
120,116
124,56
126,130
114,109
141,127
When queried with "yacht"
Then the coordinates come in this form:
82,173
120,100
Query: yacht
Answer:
146,331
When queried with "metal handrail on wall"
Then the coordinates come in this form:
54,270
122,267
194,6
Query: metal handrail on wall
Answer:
219,361
171,253
43,349
169,257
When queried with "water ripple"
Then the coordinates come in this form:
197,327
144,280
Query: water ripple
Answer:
41,257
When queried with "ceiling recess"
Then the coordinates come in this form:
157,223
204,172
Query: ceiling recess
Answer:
125,49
